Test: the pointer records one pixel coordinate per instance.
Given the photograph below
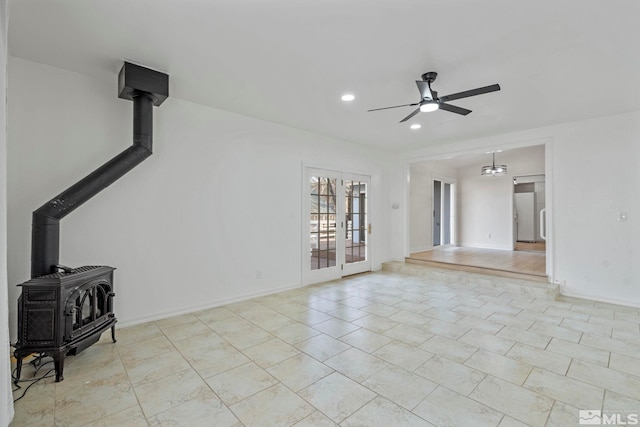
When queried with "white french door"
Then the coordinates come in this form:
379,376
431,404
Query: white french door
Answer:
336,226
357,227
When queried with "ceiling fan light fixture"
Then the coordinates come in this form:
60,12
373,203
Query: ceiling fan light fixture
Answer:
492,169
348,97
429,100
428,107
415,126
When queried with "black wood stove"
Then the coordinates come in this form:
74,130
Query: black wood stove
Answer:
63,310
64,313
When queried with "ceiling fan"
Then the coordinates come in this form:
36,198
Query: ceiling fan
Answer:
431,102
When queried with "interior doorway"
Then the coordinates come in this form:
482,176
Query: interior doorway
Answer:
529,211
443,212
476,217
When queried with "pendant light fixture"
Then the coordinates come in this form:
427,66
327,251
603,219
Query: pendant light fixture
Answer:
493,169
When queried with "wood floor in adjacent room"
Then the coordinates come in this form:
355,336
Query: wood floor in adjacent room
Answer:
519,262
531,246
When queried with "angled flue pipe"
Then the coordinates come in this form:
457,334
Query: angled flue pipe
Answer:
146,88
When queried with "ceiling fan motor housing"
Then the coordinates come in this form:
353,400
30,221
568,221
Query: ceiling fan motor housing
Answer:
429,76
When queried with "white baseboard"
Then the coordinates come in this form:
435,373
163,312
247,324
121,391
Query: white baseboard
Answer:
219,303
485,246
599,299
421,249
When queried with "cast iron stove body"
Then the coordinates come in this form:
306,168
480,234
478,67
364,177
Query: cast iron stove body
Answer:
64,313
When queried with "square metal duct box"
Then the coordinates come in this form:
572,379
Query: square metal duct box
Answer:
134,78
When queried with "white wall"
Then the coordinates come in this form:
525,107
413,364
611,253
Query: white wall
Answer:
398,181
485,203
6,400
421,202
592,166
597,175
188,228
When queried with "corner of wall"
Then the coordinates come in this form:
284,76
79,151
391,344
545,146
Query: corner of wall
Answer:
6,401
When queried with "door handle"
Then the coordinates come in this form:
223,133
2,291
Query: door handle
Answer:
543,223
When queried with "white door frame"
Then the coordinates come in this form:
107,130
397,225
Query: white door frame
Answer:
341,268
452,219
525,178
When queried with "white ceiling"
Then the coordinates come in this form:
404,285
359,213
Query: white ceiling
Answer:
289,61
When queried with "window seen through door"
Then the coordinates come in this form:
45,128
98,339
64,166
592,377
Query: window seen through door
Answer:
322,222
355,221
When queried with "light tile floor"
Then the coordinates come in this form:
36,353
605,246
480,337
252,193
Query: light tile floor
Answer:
379,349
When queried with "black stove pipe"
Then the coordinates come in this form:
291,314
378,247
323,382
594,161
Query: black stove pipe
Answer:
45,232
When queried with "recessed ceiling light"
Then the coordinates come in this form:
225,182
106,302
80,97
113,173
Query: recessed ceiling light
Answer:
416,126
348,97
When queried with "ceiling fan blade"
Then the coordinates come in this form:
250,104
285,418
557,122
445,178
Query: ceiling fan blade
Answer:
454,109
425,90
395,106
417,110
472,92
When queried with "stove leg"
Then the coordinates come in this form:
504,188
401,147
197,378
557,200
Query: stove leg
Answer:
113,333
58,363
18,369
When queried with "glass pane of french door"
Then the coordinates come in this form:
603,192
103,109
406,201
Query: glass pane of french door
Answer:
322,221
355,221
